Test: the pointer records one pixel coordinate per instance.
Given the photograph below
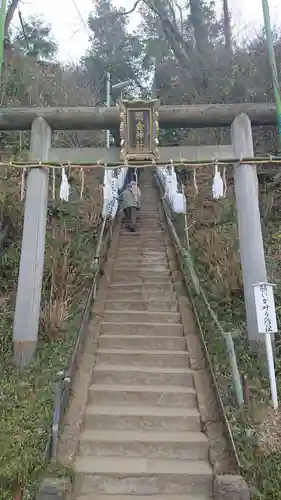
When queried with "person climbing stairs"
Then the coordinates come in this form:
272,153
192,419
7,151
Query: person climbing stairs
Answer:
141,433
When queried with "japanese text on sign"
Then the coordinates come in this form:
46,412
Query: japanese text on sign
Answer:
265,308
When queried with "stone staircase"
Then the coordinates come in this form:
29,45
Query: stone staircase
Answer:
142,433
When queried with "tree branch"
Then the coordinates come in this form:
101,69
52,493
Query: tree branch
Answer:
9,16
129,11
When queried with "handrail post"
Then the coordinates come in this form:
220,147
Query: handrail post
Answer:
236,378
27,313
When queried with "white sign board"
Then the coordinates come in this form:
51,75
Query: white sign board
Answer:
265,308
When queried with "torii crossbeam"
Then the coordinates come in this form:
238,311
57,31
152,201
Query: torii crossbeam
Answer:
184,116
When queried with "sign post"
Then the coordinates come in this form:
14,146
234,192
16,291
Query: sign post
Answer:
267,325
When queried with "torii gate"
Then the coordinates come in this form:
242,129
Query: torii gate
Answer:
43,120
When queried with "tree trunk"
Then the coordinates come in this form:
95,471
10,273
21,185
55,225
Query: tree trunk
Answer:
198,23
227,27
12,6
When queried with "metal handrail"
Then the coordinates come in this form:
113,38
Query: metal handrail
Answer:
64,384
181,252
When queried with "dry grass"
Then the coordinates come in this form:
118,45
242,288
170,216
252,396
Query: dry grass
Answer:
63,280
218,254
26,407
214,237
269,431
214,244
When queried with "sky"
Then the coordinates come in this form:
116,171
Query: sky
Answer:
69,20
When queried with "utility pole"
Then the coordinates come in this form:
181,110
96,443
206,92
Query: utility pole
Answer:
109,87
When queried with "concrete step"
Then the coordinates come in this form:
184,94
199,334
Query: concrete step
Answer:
137,247
142,375
131,274
159,418
143,255
142,269
148,226
150,211
149,444
147,220
121,476
150,222
142,305
139,267
155,242
141,317
135,357
134,238
143,252
144,230
160,281
150,214
142,328
139,286
142,342
141,244
93,496
146,296
139,261
165,395
145,225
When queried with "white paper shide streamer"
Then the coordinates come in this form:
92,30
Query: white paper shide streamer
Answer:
112,185
168,178
218,187
64,187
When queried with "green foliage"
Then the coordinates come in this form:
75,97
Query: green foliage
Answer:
112,48
36,39
255,428
26,398
26,411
